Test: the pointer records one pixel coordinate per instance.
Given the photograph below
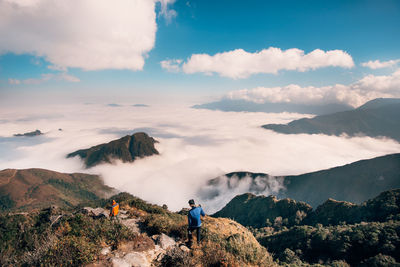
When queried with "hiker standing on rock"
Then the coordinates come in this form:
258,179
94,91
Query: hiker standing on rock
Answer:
114,210
194,221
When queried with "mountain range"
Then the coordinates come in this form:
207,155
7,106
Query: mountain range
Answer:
355,182
260,211
337,233
127,149
249,106
38,188
378,117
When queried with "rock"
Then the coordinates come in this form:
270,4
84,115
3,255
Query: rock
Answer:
134,259
123,216
97,212
165,241
184,248
132,224
54,218
105,251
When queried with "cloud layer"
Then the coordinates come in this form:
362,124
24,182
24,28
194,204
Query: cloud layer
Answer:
355,94
86,34
377,64
64,76
239,64
193,147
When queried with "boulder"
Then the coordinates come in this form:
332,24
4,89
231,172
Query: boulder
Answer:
165,241
97,212
135,259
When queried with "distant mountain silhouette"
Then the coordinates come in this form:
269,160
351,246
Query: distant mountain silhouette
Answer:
355,182
34,133
141,105
40,188
379,117
127,149
249,106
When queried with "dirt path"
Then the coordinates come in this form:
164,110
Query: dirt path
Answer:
7,181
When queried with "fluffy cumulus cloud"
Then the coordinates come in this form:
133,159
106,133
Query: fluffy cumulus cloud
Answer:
238,63
355,94
193,148
86,34
377,64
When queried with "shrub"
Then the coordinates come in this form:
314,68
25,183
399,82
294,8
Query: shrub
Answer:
71,251
171,224
176,258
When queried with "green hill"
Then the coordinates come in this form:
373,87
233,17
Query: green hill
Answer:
128,149
39,188
260,211
379,117
144,235
335,234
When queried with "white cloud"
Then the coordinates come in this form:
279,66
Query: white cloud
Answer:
86,34
193,147
377,64
238,63
167,13
355,94
171,65
45,78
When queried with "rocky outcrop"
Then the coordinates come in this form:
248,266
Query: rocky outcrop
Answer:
140,254
97,212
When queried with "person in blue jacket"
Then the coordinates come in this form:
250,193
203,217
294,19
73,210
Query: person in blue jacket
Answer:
194,221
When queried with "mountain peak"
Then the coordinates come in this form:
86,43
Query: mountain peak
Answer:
379,102
126,149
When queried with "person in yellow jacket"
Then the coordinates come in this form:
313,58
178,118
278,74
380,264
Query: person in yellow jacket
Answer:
114,210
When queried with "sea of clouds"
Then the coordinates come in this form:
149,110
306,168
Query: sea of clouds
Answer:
195,146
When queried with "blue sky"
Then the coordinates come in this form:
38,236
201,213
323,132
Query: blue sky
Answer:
365,30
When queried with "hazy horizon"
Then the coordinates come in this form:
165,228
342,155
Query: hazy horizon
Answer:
195,146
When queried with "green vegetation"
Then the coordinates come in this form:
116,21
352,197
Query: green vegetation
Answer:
353,244
32,239
6,202
337,233
75,189
59,237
